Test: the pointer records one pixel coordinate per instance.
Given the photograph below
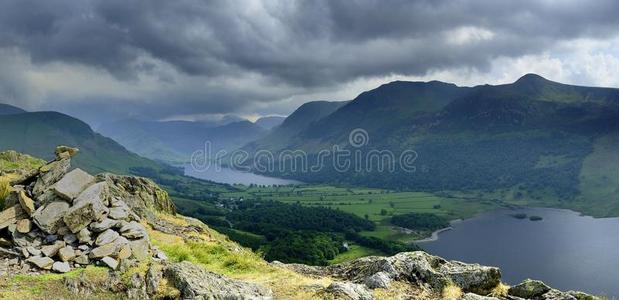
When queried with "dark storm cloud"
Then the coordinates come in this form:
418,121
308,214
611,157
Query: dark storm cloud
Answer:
297,44
301,42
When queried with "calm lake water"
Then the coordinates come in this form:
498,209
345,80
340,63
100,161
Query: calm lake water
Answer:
230,176
565,250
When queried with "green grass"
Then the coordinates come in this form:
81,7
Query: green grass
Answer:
89,271
370,202
51,285
355,251
214,257
11,160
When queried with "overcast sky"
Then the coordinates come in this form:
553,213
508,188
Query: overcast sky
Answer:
191,59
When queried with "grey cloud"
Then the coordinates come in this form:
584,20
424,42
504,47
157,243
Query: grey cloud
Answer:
297,44
301,42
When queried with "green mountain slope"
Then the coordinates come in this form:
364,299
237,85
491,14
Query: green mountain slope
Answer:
303,117
35,133
384,109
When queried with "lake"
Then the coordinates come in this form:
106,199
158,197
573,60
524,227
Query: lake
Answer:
230,176
565,250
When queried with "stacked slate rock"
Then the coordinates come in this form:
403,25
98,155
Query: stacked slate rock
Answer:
57,219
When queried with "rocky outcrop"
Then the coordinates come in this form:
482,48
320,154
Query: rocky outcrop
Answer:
422,270
415,267
61,220
142,195
197,283
535,289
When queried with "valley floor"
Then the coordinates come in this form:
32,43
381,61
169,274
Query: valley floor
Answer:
380,205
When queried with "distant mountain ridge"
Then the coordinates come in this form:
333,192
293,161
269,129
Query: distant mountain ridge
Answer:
175,141
6,109
270,122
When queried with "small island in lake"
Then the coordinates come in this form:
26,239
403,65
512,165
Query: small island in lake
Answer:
519,216
535,218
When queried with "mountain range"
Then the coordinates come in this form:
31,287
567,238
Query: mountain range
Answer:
175,141
532,139
535,141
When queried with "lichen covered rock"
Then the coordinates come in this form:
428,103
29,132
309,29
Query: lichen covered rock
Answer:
197,283
349,291
142,195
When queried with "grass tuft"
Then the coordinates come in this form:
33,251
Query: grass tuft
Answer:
451,292
499,291
5,189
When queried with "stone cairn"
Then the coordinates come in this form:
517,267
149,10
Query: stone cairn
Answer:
56,219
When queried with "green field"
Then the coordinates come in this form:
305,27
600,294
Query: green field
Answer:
380,205
377,205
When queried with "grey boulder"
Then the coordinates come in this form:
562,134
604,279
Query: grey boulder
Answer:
133,230
84,236
41,262
529,289
197,283
52,250
378,280
140,249
51,173
102,225
471,296
66,253
119,213
87,207
72,184
349,290
102,251
106,237
50,216
110,262
61,267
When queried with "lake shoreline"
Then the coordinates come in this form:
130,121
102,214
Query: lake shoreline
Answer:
230,176
434,236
